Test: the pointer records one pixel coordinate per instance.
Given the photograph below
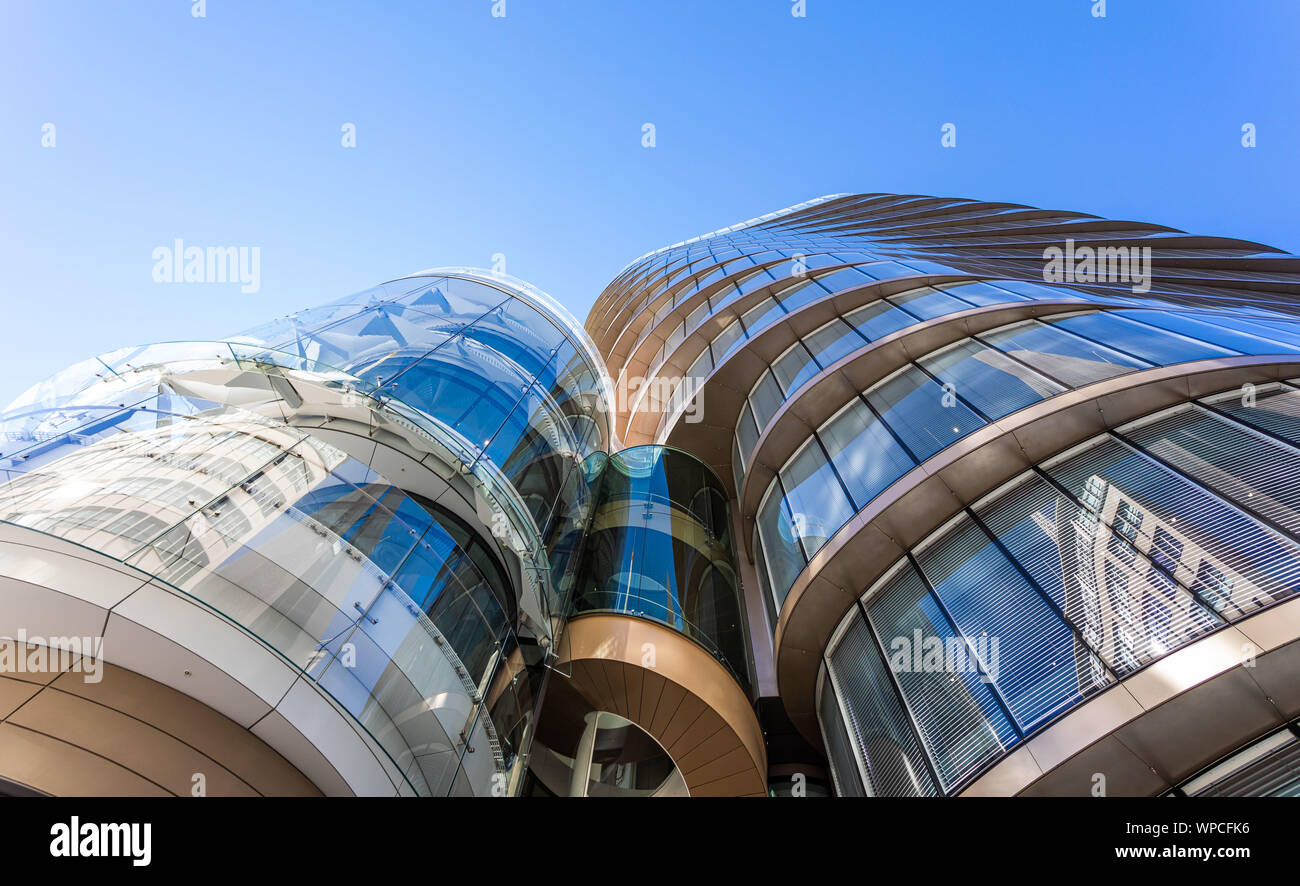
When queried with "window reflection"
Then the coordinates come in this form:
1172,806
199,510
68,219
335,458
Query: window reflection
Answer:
1072,576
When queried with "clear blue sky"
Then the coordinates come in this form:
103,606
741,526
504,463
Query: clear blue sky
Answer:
479,135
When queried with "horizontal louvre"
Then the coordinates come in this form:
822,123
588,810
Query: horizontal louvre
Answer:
844,765
1255,473
959,718
1185,528
1277,774
1097,577
1029,651
880,727
1276,411
991,381
916,409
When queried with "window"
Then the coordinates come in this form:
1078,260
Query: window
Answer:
991,381
921,412
864,452
817,502
833,342
781,551
1035,663
1054,352
959,719
726,340
878,319
1147,342
794,367
761,315
928,303
766,398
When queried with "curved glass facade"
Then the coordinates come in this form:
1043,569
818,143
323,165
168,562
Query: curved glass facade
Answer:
725,287
856,328
922,408
660,547
381,598
1078,574
921,499
855,341
213,467
517,388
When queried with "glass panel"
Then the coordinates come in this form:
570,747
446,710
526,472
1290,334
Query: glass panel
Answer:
726,340
1148,343
737,464
918,409
674,338
1254,472
1095,576
878,319
1067,358
991,381
982,293
781,551
960,721
754,281
1262,566
833,342
1021,643
794,367
1280,329
759,316
702,366
746,433
929,303
1245,342
803,293
839,281
1269,407
660,547
766,398
695,317
818,504
839,753
879,726
864,452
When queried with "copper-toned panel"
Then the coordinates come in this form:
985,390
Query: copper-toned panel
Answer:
195,724
59,768
147,751
13,693
682,696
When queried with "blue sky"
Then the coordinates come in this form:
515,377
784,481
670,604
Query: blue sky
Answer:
522,136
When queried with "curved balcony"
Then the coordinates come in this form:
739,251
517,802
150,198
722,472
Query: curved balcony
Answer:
1096,573
380,600
401,580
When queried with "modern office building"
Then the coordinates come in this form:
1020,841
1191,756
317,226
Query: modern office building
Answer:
324,556
1013,492
876,495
